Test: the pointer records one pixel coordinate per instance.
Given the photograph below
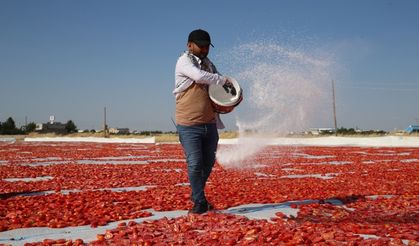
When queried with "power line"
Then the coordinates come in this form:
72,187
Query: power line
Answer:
334,108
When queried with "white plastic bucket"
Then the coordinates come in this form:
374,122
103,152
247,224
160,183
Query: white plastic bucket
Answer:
225,101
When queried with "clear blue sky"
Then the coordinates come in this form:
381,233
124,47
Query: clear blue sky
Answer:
72,58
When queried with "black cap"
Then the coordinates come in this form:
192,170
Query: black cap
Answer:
200,37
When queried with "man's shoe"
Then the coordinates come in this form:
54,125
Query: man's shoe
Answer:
199,208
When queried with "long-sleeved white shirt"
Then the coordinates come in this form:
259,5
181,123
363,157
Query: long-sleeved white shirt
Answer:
190,69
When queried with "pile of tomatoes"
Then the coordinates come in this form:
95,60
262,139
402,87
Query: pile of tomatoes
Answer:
377,187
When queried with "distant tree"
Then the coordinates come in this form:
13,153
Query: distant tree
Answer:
352,131
93,131
9,125
70,126
345,131
148,133
30,127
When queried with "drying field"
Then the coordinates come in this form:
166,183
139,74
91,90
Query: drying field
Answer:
285,196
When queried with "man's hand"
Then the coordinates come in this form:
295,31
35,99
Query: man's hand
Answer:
229,88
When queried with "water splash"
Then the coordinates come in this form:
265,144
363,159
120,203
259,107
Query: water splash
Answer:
285,90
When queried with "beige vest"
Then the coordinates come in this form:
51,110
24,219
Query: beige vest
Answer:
193,106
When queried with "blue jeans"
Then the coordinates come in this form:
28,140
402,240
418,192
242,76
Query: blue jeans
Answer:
199,144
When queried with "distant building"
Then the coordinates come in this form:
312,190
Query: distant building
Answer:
119,130
412,128
51,127
318,131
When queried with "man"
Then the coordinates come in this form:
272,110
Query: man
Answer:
196,120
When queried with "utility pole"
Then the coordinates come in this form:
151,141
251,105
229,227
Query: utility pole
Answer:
334,108
25,127
105,126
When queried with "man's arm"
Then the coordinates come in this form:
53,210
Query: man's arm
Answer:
185,67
